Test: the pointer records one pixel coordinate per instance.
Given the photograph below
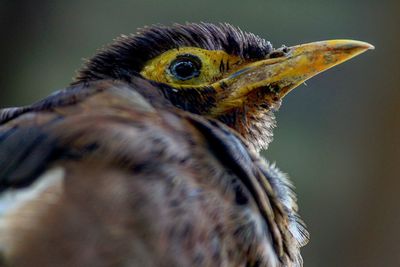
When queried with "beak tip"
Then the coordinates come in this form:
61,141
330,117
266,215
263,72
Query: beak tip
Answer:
357,44
346,48
350,44
366,45
370,46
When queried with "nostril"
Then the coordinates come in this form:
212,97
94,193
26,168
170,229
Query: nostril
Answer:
285,49
280,52
276,54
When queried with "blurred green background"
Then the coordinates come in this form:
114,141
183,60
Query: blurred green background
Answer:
338,137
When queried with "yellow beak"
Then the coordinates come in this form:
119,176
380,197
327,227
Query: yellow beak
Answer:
278,76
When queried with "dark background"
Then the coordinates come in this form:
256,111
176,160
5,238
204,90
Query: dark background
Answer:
338,137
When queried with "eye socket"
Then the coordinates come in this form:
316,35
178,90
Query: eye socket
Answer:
185,67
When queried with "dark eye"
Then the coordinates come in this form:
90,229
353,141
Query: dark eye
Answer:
185,67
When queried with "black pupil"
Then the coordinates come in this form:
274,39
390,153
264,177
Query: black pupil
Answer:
185,67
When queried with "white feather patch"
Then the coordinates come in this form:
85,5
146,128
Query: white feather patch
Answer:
18,206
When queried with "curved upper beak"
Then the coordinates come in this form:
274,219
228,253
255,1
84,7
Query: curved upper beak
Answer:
278,76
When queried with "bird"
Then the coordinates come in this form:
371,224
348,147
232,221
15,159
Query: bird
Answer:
151,156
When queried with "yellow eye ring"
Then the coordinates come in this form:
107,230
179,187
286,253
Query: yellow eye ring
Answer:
205,67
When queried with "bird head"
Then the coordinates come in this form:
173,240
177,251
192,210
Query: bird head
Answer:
218,71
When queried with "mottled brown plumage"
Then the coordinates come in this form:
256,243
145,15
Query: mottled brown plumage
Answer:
184,186
141,173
